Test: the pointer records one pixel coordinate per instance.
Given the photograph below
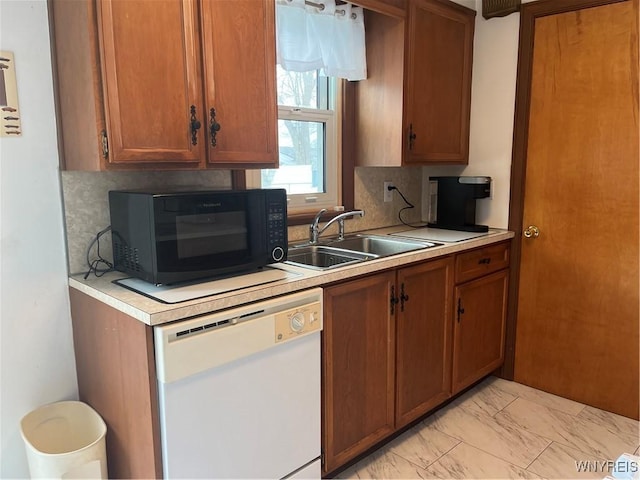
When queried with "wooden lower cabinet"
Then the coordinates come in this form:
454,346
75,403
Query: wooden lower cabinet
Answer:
481,312
398,344
386,351
423,334
358,367
116,371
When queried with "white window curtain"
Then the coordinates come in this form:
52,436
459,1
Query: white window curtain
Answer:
325,37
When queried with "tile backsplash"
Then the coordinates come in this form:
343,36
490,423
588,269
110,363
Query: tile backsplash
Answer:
369,191
86,203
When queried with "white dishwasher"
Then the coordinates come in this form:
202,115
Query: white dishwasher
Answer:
239,391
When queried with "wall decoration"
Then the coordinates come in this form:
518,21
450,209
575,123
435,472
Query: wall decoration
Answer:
9,112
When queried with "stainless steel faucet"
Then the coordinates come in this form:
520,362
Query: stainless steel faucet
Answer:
315,230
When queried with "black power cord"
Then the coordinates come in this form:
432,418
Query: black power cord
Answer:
94,265
408,207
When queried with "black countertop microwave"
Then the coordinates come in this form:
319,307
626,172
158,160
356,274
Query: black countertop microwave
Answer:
179,236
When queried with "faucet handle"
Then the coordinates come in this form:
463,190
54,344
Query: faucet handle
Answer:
318,215
341,229
313,228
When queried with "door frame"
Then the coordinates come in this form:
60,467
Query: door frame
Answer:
529,12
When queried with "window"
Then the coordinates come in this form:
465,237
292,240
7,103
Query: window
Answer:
307,140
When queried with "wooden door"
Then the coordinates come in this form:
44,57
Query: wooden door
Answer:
577,322
479,327
438,82
358,351
238,39
151,79
423,338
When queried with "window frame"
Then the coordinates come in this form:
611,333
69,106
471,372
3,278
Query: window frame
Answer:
307,205
345,120
331,196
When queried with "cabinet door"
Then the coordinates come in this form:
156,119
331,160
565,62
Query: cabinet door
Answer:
358,367
438,82
239,70
423,331
478,345
151,78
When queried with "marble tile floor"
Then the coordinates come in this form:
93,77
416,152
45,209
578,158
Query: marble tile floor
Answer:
502,429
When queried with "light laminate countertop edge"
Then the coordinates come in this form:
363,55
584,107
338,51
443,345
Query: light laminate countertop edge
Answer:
153,313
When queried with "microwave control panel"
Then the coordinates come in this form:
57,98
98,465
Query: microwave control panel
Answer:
276,229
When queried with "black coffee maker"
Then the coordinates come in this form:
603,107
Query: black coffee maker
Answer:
453,200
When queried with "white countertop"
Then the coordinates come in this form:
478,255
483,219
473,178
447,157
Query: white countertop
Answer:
153,312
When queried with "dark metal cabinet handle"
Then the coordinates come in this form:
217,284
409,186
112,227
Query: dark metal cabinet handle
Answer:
393,300
403,297
484,261
214,127
460,309
412,136
194,125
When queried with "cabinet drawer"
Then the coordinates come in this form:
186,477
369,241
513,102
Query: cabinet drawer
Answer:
482,261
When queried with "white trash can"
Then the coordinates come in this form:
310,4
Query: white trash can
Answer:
65,440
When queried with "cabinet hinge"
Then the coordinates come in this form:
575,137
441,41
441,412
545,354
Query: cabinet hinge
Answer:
322,457
105,144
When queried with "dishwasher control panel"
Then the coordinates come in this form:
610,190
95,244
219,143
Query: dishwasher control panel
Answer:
297,321
192,346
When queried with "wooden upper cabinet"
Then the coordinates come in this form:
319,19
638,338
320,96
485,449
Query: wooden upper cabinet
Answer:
438,82
238,38
413,108
147,74
395,8
150,62
76,65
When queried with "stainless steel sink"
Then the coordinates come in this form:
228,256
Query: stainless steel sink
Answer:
321,257
333,252
379,245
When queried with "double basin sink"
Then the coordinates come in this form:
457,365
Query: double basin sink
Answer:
331,253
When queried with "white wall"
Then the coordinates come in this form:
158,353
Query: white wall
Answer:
495,56
37,360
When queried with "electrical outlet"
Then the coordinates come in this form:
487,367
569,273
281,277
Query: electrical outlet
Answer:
388,194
